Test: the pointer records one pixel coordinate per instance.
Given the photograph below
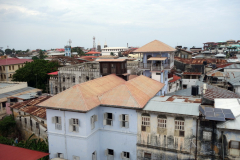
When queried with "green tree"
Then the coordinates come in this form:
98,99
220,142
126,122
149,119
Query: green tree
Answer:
78,50
112,54
41,55
13,50
35,73
6,125
8,51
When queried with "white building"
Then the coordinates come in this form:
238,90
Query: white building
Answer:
114,50
97,120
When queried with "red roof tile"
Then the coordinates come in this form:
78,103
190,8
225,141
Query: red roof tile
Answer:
10,61
93,52
53,73
11,152
175,78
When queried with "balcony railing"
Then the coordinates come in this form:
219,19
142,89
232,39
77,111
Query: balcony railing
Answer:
154,67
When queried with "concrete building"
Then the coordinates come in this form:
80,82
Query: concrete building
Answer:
174,83
9,66
113,50
98,118
190,78
11,89
158,59
168,128
67,51
31,119
69,76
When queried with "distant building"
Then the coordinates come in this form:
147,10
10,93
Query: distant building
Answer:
9,66
113,50
68,50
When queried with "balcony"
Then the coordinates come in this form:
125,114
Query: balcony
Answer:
154,66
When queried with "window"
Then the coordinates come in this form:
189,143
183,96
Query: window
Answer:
9,67
162,122
145,122
184,86
125,155
109,153
108,119
73,125
42,121
58,122
37,125
13,67
234,145
158,73
124,120
63,79
94,118
25,121
147,156
73,79
60,155
30,122
207,135
94,155
179,127
64,88
76,158
105,68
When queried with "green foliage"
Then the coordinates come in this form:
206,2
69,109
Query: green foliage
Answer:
112,54
35,73
78,50
35,58
8,51
6,125
41,55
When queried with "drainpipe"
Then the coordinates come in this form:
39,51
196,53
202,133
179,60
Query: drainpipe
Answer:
222,147
196,140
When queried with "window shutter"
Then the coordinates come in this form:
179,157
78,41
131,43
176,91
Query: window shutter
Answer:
104,122
148,128
126,124
122,155
53,119
61,155
112,116
60,120
78,122
120,117
111,123
105,115
96,118
92,119
126,117
70,122
229,145
70,128
106,152
95,155
77,128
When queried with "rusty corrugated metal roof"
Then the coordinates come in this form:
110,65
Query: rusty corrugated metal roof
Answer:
109,90
200,61
36,111
155,46
110,60
192,73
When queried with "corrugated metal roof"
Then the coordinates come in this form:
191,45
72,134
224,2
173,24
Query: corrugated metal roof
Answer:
108,90
192,73
157,58
8,152
200,61
235,81
159,104
36,111
10,61
233,66
155,46
110,60
230,124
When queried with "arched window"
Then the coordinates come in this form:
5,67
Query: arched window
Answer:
162,121
0,68
73,79
56,89
179,126
9,67
10,76
64,88
145,122
87,78
63,78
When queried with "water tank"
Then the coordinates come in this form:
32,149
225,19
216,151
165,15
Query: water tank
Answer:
195,90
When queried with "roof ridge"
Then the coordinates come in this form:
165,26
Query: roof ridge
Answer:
132,95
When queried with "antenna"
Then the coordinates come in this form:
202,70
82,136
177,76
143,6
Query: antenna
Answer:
70,41
94,44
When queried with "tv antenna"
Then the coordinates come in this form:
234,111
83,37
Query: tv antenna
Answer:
70,41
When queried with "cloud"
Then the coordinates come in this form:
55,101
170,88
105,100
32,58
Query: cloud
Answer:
115,20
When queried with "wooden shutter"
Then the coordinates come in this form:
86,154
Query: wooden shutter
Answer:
61,155
71,122
77,128
122,155
120,117
53,119
230,144
105,116
126,124
126,117
96,118
104,122
60,120
112,116
106,152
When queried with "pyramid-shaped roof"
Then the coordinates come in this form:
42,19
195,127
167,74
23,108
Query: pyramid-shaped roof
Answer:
110,90
155,46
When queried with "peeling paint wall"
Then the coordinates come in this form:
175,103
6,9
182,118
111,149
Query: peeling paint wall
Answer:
164,143
27,130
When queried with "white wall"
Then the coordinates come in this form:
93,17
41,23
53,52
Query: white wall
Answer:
189,82
156,77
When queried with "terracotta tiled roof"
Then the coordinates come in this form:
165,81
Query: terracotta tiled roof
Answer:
108,90
132,76
53,73
10,61
192,73
155,46
129,51
175,78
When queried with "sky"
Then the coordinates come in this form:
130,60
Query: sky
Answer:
46,24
